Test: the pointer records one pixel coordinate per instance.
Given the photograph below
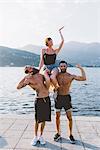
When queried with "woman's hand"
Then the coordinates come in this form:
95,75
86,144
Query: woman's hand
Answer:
61,29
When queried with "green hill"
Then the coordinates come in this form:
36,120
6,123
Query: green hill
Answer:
15,57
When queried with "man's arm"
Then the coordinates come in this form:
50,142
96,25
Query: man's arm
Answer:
23,83
83,75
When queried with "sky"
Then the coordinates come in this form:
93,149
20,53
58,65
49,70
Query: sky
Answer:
25,22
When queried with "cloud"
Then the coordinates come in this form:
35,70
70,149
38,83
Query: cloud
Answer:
25,20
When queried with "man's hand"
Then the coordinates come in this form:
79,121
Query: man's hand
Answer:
83,75
79,66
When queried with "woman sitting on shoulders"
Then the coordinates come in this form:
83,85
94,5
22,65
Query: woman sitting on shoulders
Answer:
48,59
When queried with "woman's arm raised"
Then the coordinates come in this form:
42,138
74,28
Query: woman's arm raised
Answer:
62,41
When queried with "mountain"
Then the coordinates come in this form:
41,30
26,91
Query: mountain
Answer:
32,48
83,53
15,57
75,52
87,54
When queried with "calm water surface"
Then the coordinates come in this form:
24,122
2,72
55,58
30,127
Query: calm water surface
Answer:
85,95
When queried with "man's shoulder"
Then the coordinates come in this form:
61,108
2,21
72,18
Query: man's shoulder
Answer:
64,74
27,76
40,75
70,74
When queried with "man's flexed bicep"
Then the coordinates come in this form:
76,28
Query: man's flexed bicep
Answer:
82,77
23,83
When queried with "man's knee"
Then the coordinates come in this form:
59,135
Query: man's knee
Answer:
70,119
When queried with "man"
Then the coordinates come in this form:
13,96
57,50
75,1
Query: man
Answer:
63,99
42,103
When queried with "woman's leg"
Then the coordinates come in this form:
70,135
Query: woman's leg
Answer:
54,81
44,71
47,79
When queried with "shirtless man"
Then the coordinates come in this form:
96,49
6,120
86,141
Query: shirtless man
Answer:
63,99
42,103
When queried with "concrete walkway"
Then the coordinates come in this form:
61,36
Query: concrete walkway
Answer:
16,133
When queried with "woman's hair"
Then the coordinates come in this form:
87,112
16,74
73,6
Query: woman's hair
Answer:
46,41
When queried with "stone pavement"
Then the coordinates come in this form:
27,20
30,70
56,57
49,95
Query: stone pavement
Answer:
16,133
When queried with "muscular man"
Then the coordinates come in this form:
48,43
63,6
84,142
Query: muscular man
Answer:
63,99
42,103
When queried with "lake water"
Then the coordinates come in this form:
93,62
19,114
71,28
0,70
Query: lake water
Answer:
85,94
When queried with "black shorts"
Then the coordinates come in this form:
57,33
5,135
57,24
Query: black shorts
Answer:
42,109
63,101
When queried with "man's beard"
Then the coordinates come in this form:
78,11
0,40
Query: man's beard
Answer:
35,71
63,71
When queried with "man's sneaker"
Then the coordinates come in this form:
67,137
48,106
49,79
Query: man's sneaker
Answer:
57,137
42,141
72,140
34,141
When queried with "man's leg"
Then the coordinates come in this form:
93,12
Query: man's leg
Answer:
58,122
57,135
69,116
35,139
36,127
42,128
41,133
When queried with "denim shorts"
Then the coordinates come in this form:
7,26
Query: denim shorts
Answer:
50,67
